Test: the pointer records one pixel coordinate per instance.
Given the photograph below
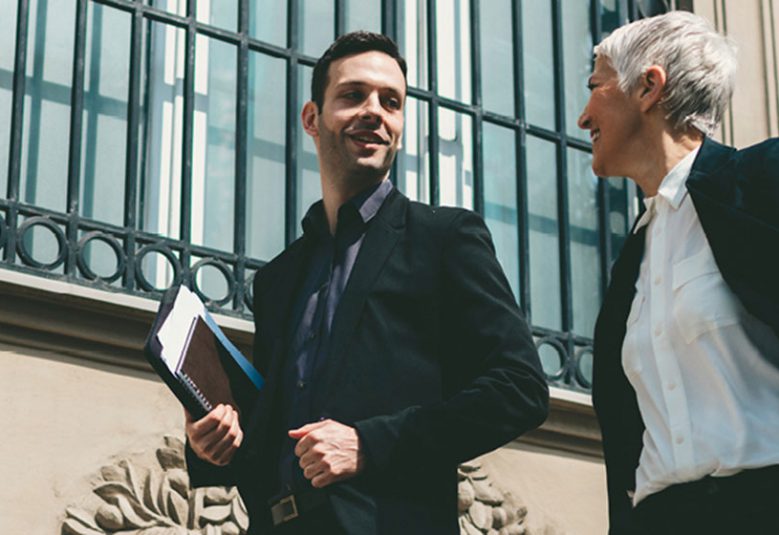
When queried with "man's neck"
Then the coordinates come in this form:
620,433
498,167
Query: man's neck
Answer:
663,156
337,192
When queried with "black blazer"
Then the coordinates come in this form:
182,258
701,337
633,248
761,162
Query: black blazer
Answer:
736,196
431,361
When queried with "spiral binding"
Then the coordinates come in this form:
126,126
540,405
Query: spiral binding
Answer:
195,391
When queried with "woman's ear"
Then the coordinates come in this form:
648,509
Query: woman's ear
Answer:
652,87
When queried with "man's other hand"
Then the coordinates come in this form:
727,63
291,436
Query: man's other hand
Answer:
216,436
328,451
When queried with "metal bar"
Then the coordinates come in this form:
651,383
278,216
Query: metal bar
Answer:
478,132
241,142
566,295
523,228
76,119
433,109
388,21
290,149
131,162
187,139
340,17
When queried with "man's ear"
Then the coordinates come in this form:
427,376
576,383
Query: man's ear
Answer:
651,87
309,117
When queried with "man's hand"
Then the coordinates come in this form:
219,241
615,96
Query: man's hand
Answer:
216,436
328,451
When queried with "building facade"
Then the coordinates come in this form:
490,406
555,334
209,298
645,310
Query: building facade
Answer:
145,143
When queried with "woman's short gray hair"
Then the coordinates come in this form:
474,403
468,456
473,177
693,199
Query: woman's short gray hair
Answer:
700,65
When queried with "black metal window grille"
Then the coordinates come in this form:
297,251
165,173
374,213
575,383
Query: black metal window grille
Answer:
76,238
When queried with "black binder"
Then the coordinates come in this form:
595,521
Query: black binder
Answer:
210,370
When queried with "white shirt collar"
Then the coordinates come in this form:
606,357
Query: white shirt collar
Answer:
671,189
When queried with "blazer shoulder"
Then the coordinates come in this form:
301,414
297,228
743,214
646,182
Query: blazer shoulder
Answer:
440,218
278,265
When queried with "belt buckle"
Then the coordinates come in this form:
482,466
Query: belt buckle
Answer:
286,509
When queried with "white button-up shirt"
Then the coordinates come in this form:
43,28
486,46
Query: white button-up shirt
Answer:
709,400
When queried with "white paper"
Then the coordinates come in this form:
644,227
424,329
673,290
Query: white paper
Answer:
175,329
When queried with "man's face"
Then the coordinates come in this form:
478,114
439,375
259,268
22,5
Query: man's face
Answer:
359,128
614,121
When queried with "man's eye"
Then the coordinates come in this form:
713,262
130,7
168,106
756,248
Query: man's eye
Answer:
393,103
353,95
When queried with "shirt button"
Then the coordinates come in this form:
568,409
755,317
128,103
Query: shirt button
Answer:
311,335
671,386
658,280
658,330
680,439
301,384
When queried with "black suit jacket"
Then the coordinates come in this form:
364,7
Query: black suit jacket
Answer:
736,196
431,362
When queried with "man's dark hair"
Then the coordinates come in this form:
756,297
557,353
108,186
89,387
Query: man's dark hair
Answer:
347,45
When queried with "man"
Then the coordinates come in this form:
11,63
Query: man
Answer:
390,342
686,373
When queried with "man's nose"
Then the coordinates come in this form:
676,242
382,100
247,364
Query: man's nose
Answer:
372,107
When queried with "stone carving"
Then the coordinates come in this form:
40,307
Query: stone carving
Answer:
157,500
483,508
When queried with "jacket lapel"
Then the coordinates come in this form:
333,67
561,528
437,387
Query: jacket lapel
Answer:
380,239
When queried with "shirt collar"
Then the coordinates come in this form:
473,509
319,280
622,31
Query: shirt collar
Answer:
671,189
365,205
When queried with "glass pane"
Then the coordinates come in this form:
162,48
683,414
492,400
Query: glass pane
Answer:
179,7
8,45
500,198
497,57
544,233
308,185
585,241
265,164
611,18
412,39
619,220
45,135
455,159
363,15
453,46
577,62
413,164
221,13
104,128
538,63
317,30
213,144
161,130
268,21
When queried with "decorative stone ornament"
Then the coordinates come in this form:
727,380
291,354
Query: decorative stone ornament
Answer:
155,499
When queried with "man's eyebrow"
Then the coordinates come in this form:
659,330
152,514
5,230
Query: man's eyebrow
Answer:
361,83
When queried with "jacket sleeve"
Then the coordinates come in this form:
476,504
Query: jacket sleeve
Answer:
502,390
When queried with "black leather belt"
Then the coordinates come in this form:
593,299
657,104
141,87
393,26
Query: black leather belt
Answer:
292,506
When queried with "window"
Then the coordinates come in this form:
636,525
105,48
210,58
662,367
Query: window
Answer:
153,141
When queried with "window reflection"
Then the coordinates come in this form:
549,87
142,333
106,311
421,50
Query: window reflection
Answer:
585,241
317,28
161,127
220,13
577,62
7,44
308,186
268,21
544,232
538,63
455,158
265,165
412,39
500,198
213,144
363,15
497,56
413,161
104,126
453,22
44,168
